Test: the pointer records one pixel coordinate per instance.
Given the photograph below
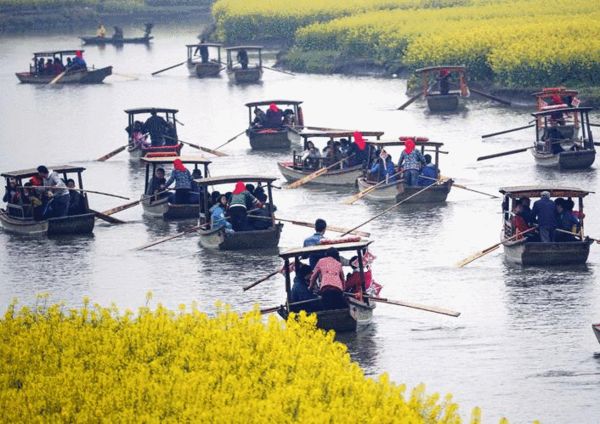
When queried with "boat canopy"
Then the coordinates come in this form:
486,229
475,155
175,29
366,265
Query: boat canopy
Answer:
233,48
61,169
383,143
342,247
562,110
563,91
170,159
234,179
59,52
335,133
451,68
536,191
149,110
277,102
217,45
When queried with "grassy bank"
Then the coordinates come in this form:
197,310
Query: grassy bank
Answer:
97,364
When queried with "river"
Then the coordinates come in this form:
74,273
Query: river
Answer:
522,348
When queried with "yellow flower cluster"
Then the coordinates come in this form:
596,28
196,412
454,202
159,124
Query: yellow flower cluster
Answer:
95,364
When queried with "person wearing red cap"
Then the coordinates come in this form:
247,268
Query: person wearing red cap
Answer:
78,64
183,183
411,161
240,197
274,117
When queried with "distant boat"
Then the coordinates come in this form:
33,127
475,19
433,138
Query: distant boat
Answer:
119,40
244,73
171,148
200,69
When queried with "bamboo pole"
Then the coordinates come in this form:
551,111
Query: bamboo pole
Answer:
411,305
490,249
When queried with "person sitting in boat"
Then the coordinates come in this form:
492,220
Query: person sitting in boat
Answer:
545,215
11,192
157,184
260,119
566,220
311,157
315,240
260,219
289,118
383,168
300,291
101,31
49,67
518,222
333,155
353,281
238,211
217,214
429,173
58,66
156,126
197,191
58,198
76,200
182,178
78,63
40,65
138,138
242,58
444,78
357,155
331,275
526,210
118,34
170,135
411,161
32,204
274,117
214,198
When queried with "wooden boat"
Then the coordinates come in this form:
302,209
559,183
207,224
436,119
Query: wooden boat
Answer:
171,147
116,40
88,76
526,251
398,191
219,239
251,73
596,329
19,219
275,136
356,315
200,69
299,168
557,138
443,99
161,207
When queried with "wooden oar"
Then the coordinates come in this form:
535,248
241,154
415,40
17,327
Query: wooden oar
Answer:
490,249
196,146
509,152
230,140
111,154
276,308
390,208
333,228
107,218
82,190
170,67
278,70
507,131
316,174
577,235
367,190
162,240
433,309
489,96
257,282
58,77
594,125
444,179
410,101
132,204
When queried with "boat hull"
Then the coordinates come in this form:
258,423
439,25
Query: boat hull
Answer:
109,40
443,102
346,176
268,138
596,328
204,70
547,254
218,239
137,153
91,76
74,224
163,209
245,76
399,192
572,159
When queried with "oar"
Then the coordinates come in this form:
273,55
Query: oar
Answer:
58,77
276,308
196,146
311,225
132,204
113,153
509,152
507,131
278,70
489,96
490,249
257,282
82,190
316,174
594,125
367,190
577,235
230,140
107,218
442,178
166,69
410,101
390,208
433,309
162,240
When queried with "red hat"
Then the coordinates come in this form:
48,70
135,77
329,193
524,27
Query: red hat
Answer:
78,53
556,99
273,107
240,187
178,165
359,140
409,145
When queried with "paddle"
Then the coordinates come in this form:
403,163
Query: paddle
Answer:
594,125
410,101
509,152
195,146
170,67
132,204
367,190
316,174
107,218
490,249
493,196
278,70
276,308
507,131
311,225
489,96
390,208
230,140
257,282
111,154
82,190
433,309
162,240
58,77
577,235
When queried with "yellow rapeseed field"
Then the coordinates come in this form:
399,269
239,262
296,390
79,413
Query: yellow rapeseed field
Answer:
96,364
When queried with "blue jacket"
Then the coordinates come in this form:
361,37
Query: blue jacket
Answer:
217,217
183,179
566,221
544,213
313,240
382,171
429,171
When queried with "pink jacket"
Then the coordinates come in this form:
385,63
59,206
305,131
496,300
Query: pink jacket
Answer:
331,274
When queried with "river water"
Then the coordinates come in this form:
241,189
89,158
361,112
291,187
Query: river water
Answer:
522,348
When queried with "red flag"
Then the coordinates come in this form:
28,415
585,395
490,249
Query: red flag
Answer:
359,140
575,102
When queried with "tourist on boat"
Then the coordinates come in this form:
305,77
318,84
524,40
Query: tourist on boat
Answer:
288,117
157,184
40,65
242,58
566,220
331,288
58,203
315,240
411,161
101,31
519,224
383,168
139,140
11,192
311,157
49,68
274,117
260,119
444,78
203,50
300,291
260,219
217,215
353,282
69,63
526,210
31,199
156,126
545,216
197,191
78,63
183,183
333,155
118,34
356,154
76,200
170,135
58,66
237,207
429,173
214,198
